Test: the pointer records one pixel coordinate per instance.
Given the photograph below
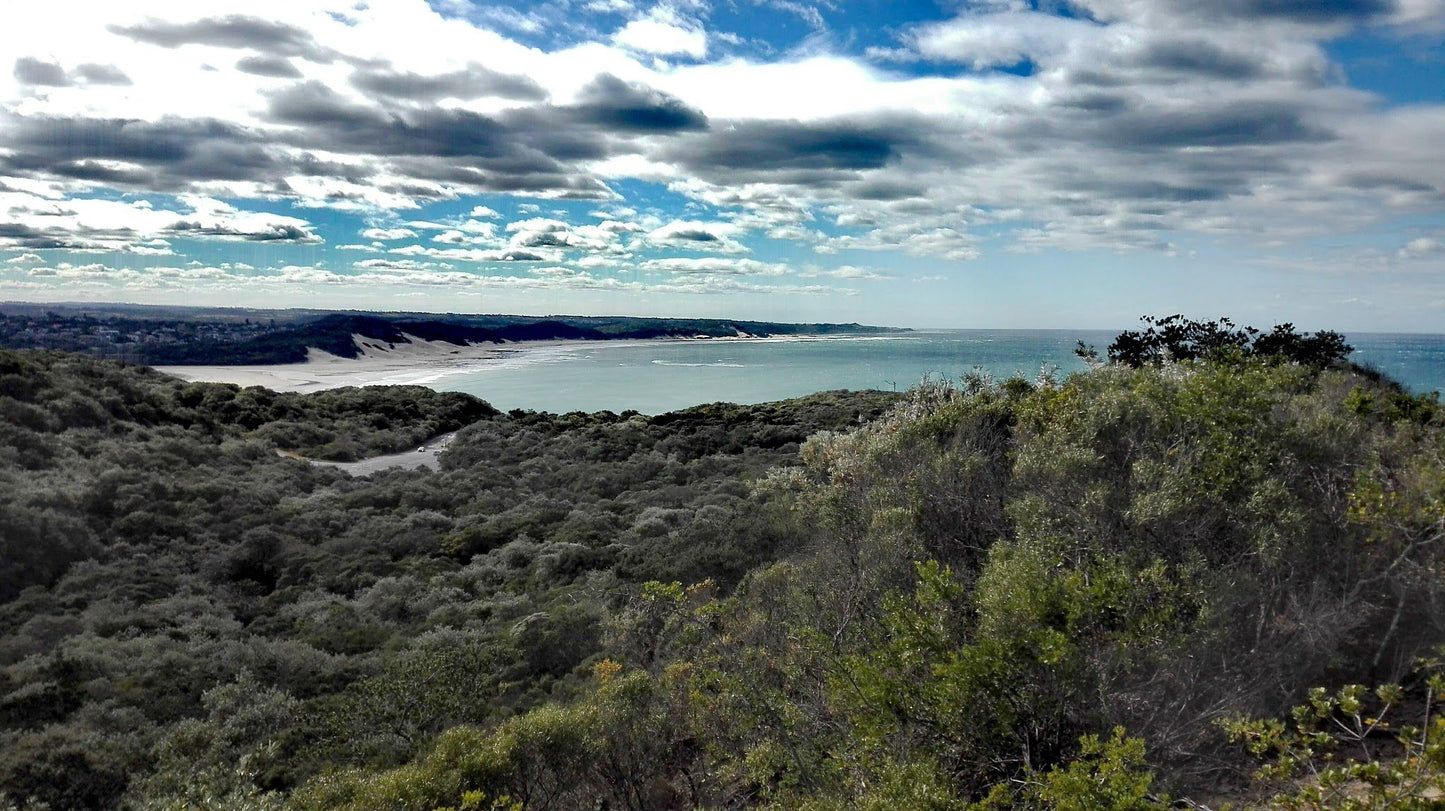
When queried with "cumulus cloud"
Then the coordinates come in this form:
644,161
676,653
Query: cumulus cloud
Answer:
275,67
1420,248
98,74
631,106
708,266
399,265
232,31
473,81
388,234
1001,39
213,218
846,272
32,71
714,237
663,32
477,254
35,223
1137,121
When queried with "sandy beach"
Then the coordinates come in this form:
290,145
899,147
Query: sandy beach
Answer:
417,363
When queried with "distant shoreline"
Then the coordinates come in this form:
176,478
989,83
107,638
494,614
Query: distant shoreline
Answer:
177,337
417,363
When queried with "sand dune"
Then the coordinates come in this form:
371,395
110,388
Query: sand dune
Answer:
418,362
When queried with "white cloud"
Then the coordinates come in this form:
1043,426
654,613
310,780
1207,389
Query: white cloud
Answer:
91,224
400,265
846,272
664,33
610,7
388,234
1420,248
1165,120
714,237
482,254
1002,39
713,266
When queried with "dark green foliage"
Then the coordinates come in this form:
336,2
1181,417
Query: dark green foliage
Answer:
159,552
1175,338
1355,749
975,595
1112,565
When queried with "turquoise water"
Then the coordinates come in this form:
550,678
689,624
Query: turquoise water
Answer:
657,376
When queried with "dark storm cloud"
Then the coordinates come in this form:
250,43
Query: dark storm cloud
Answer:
885,190
1150,190
473,82
533,149
332,122
567,186
1094,101
108,175
1306,11
415,191
542,239
309,165
32,71
232,31
177,150
793,145
1200,57
171,140
272,232
692,235
94,73
18,235
1379,181
1236,125
1300,12
617,105
315,104
276,67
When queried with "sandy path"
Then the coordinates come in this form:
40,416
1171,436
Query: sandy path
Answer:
425,456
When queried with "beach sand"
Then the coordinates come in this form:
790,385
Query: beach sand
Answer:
417,363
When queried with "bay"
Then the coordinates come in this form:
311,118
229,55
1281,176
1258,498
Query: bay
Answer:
653,377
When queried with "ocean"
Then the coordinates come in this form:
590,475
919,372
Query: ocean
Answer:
653,377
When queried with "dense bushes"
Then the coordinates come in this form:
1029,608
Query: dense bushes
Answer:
1022,595
1175,338
160,555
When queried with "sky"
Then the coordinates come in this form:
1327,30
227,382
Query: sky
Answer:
998,163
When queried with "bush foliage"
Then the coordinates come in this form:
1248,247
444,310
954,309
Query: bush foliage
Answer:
1059,594
1176,338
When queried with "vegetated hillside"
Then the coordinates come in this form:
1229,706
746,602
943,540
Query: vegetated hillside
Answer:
185,614
1061,594
1068,595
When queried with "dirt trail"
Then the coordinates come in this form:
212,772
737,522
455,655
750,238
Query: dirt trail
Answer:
424,456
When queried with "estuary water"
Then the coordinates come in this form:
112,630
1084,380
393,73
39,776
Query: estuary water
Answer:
658,376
